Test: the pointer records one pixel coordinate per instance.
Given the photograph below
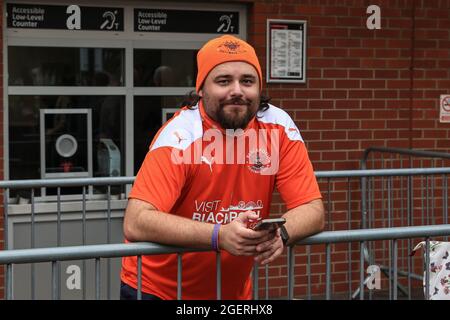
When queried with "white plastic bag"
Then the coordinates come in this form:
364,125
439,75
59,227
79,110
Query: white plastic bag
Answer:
439,269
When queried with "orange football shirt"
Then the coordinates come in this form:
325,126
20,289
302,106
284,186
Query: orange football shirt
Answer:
214,185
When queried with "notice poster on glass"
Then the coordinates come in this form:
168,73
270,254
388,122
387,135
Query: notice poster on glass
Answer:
286,51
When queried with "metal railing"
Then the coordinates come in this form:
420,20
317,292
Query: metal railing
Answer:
391,156
98,252
59,184
334,184
430,195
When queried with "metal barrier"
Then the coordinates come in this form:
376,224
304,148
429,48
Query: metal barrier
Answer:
432,194
345,211
57,209
97,252
394,159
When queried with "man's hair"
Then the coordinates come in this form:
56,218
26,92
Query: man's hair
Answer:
191,99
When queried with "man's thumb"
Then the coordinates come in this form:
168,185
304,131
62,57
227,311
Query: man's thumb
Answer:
247,215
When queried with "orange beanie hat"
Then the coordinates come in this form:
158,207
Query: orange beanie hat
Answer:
224,49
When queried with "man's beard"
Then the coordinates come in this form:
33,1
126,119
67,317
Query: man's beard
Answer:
235,119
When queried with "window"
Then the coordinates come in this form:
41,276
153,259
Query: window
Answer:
56,66
108,131
127,81
165,68
147,121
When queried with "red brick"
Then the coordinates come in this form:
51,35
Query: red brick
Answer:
395,43
385,134
354,104
361,114
326,104
425,84
320,145
347,63
387,53
430,64
315,31
399,23
366,104
381,94
348,43
355,94
334,135
397,124
321,42
386,74
308,114
361,33
361,53
436,13
444,64
277,93
390,33
321,63
397,103
307,94
346,145
320,125
336,32
334,94
334,114
294,104
373,63
436,74
372,124
398,63
374,43
385,114
309,10
444,44
437,34
335,52
336,11
349,125
444,84
398,84
335,73
438,54
434,134
348,84
323,21
361,73
373,84
314,73
360,134
315,52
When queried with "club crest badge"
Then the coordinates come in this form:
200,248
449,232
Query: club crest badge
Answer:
231,47
258,160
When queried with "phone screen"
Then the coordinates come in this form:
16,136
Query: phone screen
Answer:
269,224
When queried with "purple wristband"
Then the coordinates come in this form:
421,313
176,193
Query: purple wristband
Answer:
215,237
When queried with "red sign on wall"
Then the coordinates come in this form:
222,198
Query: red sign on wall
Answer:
444,108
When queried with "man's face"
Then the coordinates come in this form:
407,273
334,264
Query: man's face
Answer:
231,95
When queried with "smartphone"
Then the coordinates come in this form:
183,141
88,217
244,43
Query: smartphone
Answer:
269,224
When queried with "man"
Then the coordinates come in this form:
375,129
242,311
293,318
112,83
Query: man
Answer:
209,172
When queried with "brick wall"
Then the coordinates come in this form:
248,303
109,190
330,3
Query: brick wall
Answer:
364,88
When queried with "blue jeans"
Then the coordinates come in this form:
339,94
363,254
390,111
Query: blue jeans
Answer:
129,293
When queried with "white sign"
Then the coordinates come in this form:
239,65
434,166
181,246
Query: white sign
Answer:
374,279
286,51
444,108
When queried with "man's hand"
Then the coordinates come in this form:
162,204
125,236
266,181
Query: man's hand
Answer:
269,250
239,240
